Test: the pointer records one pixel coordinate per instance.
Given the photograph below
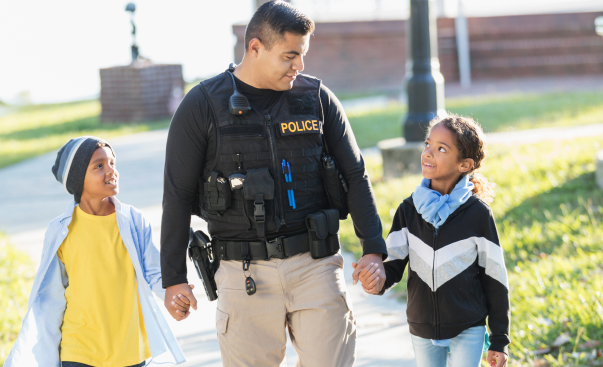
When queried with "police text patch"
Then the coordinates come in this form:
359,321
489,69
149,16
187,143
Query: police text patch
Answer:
299,127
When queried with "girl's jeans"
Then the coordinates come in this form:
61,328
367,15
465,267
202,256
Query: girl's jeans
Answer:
465,350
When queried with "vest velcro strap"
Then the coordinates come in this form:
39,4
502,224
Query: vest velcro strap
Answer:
299,214
259,214
255,156
236,219
306,168
307,199
303,152
280,247
305,184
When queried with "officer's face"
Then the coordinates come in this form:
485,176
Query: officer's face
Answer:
280,65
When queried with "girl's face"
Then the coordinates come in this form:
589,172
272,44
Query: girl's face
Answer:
439,160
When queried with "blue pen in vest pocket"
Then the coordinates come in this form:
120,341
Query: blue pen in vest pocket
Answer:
287,173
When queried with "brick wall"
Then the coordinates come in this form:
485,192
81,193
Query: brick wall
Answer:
139,92
370,56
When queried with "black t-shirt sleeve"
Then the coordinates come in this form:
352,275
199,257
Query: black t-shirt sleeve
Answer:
185,149
361,200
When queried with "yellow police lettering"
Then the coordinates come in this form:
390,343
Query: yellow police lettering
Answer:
308,127
284,126
298,128
314,126
292,129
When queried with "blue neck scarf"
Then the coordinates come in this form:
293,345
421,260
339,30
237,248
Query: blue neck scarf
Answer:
435,207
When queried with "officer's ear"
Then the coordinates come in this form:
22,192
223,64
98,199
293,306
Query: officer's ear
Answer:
255,46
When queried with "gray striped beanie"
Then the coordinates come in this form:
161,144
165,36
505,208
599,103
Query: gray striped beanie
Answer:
72,162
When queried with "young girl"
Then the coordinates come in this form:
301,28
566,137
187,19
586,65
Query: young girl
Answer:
457,276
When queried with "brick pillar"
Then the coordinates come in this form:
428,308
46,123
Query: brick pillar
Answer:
141,91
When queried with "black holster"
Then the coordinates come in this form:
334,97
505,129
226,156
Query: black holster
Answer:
336,187
323,228
200,252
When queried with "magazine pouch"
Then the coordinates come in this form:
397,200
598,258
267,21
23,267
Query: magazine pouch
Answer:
323,228
217,193
260,206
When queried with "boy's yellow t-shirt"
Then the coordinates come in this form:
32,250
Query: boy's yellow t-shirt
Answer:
103,324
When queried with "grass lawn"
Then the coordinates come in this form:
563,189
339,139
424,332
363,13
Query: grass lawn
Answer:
549,214
16,276
494,113
35,130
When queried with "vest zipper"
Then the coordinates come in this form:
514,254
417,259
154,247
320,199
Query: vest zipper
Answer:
277,180
435,296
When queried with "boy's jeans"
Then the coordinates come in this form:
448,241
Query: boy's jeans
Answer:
77,364
465,349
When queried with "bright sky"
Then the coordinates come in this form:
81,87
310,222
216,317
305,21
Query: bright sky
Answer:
53,49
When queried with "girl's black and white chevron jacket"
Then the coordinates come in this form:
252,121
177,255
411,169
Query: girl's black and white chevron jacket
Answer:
457,276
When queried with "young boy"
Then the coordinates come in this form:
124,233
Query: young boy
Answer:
91,302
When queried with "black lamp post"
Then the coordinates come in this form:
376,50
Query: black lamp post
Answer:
131,7
425,86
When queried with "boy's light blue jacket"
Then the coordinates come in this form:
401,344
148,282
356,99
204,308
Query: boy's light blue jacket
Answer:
40,336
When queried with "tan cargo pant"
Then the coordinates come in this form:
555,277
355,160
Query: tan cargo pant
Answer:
305,295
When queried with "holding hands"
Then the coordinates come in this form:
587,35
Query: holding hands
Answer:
179,299
369,270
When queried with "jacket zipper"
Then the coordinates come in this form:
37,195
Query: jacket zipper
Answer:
434,294
273,152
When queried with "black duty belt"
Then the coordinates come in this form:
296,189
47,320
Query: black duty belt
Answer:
280,247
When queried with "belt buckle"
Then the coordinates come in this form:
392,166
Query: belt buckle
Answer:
275,248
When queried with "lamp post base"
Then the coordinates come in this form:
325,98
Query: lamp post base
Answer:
400,157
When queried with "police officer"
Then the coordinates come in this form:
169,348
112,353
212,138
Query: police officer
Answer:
260,230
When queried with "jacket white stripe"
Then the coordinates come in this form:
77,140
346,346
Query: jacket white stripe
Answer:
450,260
491,258
397,245
421,249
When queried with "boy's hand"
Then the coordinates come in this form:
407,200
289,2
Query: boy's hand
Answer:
178,300
497,359
182,303
369,277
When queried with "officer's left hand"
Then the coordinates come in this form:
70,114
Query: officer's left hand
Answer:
365,263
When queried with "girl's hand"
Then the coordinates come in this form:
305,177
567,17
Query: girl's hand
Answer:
497,359
369,277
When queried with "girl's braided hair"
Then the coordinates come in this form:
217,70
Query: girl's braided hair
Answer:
471,143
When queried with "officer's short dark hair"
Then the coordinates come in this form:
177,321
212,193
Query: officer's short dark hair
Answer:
273,19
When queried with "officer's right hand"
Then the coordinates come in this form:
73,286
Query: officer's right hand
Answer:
174,299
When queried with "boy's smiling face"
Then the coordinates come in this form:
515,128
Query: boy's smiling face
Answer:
101,179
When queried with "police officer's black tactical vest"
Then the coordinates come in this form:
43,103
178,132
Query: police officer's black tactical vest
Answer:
290,130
